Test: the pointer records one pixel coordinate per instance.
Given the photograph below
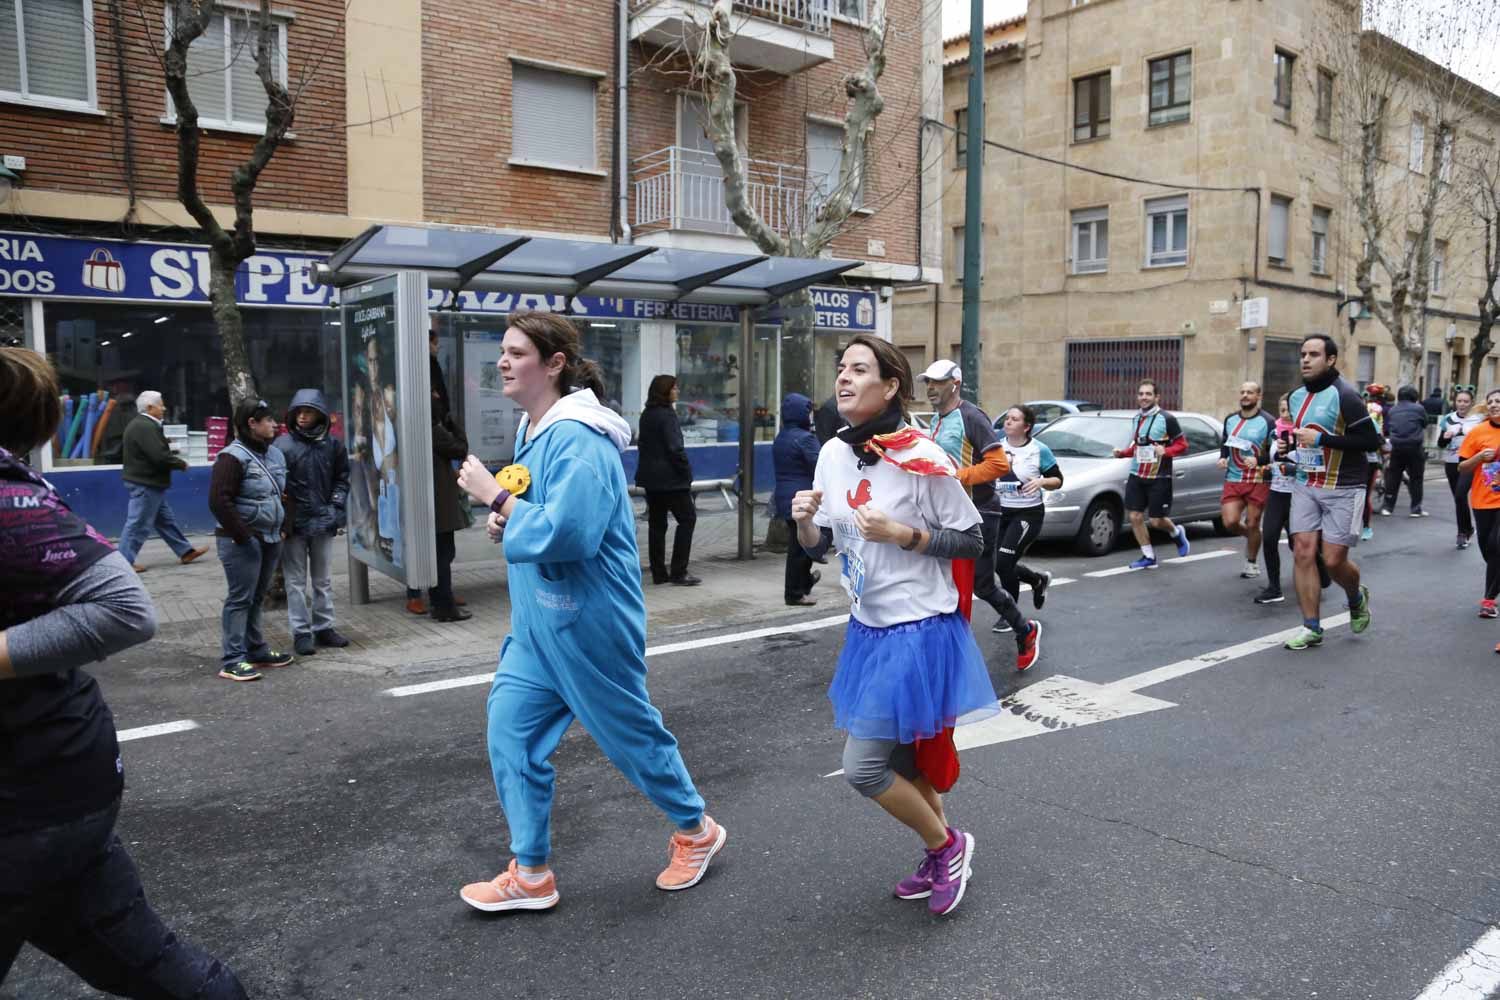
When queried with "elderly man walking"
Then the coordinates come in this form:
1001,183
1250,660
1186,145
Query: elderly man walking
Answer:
148,463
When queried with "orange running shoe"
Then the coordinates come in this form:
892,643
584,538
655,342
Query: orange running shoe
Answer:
689,856
509,891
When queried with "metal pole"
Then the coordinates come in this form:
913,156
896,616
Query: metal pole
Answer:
747,434
973,201
359,581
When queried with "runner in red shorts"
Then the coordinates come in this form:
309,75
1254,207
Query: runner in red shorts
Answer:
1245,458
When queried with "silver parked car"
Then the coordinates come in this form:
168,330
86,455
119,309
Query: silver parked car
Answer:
1090,507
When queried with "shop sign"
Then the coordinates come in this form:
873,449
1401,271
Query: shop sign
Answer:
65,267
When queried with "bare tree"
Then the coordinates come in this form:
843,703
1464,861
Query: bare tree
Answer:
1392,64
230,247
1485,186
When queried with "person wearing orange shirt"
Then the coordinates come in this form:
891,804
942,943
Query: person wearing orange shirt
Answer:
1480,456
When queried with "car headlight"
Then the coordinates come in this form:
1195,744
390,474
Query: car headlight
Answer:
1052,497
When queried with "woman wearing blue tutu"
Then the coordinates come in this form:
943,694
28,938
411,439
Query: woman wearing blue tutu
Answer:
910,669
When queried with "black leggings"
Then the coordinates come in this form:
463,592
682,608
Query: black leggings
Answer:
1019,527
1459,486
1488,523
1276,519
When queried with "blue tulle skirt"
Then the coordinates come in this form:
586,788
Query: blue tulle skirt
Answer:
910,681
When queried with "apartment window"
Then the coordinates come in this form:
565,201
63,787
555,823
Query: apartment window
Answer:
1091,107
1445,154
825,162
1434,369
1090,240
47,52
1366,366
1418,145
1382,108
1282,97
1278,239
221,76
1166,231
1171,88
854,10
553,118
1325,103
1439,265
1490,367
1320,219
961,140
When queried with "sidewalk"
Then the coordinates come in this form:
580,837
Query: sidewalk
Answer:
387,640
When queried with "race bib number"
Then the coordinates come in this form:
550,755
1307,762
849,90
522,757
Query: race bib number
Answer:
1280,481
853,578
1310,460
1491,473
1239,444
1007,487
1145,454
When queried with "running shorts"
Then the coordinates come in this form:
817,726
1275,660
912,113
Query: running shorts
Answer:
1154,496
1252,493
1338,514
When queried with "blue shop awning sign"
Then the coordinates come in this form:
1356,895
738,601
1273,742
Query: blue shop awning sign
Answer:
178,274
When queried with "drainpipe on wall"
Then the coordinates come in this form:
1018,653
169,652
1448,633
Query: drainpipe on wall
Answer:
622,142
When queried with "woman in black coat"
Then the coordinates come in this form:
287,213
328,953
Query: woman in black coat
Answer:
667,477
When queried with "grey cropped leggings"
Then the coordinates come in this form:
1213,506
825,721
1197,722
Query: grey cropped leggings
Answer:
871,766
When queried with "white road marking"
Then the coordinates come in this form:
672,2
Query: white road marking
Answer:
160,729
1118,570
1473,975
406,691
1193,664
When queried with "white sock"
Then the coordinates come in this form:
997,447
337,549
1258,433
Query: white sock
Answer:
532,878
1149,551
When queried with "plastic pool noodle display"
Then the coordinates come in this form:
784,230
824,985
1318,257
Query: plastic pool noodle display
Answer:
109,409
62,428
74,426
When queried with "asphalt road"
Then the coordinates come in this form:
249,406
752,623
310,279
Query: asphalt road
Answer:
1318,824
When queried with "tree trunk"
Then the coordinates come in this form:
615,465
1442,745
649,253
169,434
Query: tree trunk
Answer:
1481,349
231,326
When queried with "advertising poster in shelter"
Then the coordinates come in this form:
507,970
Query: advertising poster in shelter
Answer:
491,418
370,433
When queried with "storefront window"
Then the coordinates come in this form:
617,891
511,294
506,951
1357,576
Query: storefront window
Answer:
123,350
708,373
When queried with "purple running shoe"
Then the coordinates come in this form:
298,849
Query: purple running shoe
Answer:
917,885
950,872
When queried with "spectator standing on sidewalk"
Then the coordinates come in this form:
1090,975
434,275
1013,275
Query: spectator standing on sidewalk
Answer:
245,494
1406,428
666,475
317,489
449,506
148,462
67,884
794,454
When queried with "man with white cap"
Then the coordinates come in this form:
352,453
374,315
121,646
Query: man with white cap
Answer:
964,431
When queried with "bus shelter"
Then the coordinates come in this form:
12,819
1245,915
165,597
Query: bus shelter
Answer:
389,277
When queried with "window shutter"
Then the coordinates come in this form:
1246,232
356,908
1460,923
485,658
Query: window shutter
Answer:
205,71
1091,214
55,54
247,98
552,117
825,158
10,50
1281,211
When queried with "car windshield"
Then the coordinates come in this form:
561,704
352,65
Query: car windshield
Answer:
1086,437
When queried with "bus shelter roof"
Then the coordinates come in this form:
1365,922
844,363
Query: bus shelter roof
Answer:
456,259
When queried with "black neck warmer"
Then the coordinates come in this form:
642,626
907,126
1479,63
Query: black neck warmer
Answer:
858,436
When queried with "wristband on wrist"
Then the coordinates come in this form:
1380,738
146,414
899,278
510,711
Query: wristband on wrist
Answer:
499,501
916,537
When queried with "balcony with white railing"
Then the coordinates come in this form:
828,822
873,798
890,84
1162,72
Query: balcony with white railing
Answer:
678,189
783,36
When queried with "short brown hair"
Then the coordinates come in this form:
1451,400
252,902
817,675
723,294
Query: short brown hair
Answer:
32,409
892,363
554,334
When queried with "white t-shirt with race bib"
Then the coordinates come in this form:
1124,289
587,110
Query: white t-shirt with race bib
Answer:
886,585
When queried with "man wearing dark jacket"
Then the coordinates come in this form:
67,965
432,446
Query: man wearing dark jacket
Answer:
794,455
664,472
1405,427
317,487
148,462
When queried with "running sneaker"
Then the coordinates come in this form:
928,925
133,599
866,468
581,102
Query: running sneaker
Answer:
688,856
1365,534
241,671
1039,589
1183,548
273,659
1001,627
917,885
509,891
1359,619
1029,648
1144,562
1271,595
1487,610
950,872
1306,639
1250,572
1418,512
1462,541
1386,513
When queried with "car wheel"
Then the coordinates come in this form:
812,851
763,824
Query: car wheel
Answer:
1100,530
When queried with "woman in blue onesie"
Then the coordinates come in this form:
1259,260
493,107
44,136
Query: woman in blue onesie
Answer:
577,643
